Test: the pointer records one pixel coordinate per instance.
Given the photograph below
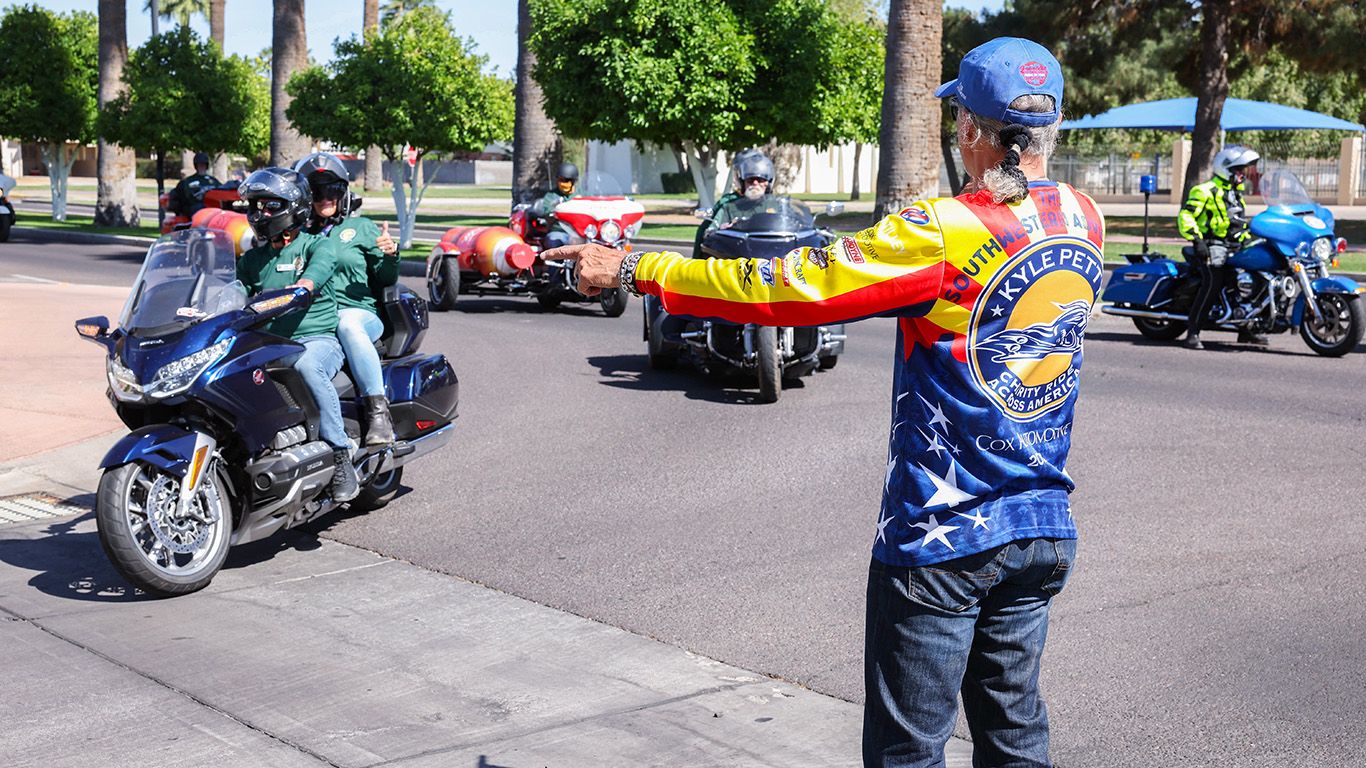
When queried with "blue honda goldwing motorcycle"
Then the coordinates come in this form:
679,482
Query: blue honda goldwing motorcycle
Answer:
1279,271
224,448
765,229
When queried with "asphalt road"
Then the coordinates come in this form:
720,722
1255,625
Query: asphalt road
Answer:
1215,617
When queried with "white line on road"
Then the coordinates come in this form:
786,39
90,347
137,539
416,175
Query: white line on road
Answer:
32,279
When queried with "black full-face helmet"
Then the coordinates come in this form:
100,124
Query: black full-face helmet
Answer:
328,179
567,179
201,158
279,202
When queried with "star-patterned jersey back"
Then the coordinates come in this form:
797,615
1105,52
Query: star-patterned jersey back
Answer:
992,302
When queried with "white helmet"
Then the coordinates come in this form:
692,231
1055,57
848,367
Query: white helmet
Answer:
1233,156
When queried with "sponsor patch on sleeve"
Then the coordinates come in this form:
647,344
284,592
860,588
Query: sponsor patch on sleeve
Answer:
914,215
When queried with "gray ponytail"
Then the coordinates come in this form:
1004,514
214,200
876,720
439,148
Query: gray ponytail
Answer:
1006,182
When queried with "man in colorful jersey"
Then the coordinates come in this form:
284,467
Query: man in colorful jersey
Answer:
1215,220
992,291
279,204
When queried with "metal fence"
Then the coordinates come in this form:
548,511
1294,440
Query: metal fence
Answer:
1318,175
1111,174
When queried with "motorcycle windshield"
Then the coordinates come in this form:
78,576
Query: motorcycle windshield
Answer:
6,184
187,277
599,184
769,213
1283,187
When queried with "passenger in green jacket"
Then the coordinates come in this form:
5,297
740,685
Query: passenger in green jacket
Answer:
367,263
278,206
1214,218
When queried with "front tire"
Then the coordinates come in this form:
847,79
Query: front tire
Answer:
614,301
547,300
5,224
149,543
379,491
1160,330
770,367
443,284
1340,330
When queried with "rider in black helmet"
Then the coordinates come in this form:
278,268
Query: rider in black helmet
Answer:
566,184
367,261
188,196
279,205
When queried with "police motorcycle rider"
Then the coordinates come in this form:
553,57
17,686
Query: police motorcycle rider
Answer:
566,183
1214,218
751,178
367,262
279,204
188,196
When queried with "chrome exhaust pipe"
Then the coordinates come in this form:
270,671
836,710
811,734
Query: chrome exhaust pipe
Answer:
1143,313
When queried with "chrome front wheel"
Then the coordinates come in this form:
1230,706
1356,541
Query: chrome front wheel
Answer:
1338,327
154,543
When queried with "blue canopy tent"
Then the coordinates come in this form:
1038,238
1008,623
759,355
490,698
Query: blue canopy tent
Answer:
1239,115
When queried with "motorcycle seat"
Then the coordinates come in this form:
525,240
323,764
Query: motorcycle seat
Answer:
346,386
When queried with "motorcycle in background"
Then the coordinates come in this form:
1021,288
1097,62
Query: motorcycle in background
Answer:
492,261
224,446
1283,281
765,230
7,217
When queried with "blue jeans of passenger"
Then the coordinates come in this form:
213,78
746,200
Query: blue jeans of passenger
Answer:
358,330
317,364
974,625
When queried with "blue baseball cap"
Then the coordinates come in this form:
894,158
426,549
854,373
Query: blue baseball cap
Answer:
997,72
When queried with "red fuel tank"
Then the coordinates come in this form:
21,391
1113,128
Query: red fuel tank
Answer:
489,250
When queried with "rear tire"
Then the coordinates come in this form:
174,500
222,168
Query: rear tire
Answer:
5,225
1160,330
379,491
770,367
1341,329
827,363
547,301
128,496
443,284
614,301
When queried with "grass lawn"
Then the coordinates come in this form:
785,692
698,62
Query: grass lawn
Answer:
82,224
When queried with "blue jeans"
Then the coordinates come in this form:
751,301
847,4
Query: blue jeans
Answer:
975,625
317,364
358,330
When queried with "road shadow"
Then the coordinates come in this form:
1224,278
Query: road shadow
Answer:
1212,344
130,254
486,305
633,372
71,564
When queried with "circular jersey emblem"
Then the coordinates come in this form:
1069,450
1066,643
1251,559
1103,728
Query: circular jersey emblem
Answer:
1024,336
347,235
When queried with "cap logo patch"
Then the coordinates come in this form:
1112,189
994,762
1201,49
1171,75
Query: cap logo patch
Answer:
1034,73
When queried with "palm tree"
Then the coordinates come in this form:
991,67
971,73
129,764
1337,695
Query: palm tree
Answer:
393,8
909,140
116,203
179,10
1216,16
374,158
535,144
289,54
220,162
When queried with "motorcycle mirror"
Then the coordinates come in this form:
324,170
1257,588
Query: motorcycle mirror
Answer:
93,328
701,213
834,208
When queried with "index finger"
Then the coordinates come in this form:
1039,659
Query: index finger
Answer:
563,253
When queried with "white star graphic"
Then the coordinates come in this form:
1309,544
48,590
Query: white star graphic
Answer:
997,311
955,449
935,532
978,520
882,529
935,445
891,466
938,416
946,490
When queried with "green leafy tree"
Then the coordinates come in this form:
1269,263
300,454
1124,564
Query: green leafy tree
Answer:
413,83
182,93
49,85
703,77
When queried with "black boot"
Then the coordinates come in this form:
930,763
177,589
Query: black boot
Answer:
344,484
1193,342
1255,339
379,427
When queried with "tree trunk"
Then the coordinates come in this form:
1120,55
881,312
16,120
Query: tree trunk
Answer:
116,198
216,22
909,170
289,54
702,163
858,154
535,144
58,159
374,155
1213,78
159,158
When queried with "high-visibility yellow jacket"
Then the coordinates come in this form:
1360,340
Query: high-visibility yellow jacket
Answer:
1214,210
991,301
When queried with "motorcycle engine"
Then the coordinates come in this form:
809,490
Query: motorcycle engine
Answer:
1246,285
1289,287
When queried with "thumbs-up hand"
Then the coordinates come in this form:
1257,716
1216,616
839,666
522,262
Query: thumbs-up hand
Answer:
384,242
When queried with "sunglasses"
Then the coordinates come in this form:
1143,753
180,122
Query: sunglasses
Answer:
953,109
335,190
755,180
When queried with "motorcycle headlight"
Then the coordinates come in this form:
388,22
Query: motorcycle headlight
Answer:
1322,249
122,381
176,377
611,231
590,231
633,230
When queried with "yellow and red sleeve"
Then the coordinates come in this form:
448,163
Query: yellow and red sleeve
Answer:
897,263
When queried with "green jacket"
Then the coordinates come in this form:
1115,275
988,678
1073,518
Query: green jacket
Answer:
1214,211
546,205
362,268
307,256
706,226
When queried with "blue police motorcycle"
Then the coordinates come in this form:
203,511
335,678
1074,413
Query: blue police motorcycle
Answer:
1282,284
224,446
